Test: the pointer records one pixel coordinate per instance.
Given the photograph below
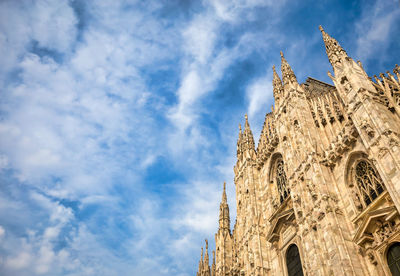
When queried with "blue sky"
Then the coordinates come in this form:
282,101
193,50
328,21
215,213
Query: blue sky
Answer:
119,119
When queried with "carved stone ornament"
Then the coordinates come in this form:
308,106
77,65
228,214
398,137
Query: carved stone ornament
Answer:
382,152
375,228
368,129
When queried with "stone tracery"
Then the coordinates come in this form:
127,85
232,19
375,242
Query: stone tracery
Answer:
368,181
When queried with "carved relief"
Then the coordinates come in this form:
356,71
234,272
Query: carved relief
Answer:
346,85
368,129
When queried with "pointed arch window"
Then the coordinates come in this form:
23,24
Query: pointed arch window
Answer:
293,261
369,183
281,181
393,259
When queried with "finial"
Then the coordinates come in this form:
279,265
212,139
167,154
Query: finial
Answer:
321,29
206,245
246,126
281,54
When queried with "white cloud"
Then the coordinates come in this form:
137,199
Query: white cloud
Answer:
2,232
239,10
259,94
374,28
199,38
22,260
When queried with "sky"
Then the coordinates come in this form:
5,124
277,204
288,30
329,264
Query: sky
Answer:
119,119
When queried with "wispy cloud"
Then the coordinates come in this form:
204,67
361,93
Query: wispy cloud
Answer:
378,21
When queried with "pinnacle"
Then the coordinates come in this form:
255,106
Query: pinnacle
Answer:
246,126
287,72
224,198
276,84
333,49
276,76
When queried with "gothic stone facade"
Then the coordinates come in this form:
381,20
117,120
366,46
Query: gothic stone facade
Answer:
320,195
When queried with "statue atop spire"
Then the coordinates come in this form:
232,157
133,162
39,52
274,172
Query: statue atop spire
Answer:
287,72
224,199
334,51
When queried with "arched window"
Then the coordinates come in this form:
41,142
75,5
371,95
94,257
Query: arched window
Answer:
281,180
293,261
393,259
368,181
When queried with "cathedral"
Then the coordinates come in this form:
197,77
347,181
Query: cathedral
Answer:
320,195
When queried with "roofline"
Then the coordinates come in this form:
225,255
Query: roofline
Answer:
311,78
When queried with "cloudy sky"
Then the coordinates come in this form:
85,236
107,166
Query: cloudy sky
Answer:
119,119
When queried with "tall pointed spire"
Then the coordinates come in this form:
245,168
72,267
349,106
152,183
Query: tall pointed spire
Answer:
248,139
206,263
206,258
333,49
224,219
287,72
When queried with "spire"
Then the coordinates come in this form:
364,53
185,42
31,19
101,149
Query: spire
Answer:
248,135
213,264
206,259
200,263
224,219
245,141
287,72
333,49
224,199
277,85
206,265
